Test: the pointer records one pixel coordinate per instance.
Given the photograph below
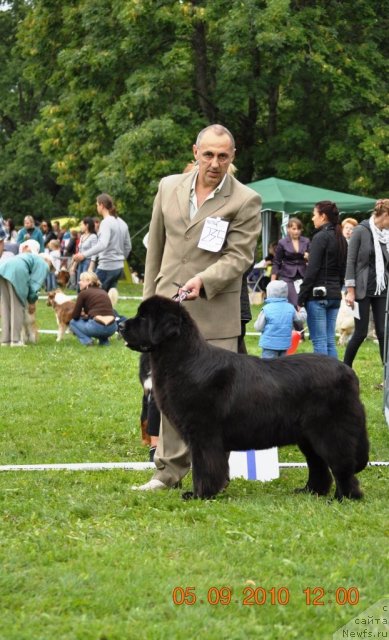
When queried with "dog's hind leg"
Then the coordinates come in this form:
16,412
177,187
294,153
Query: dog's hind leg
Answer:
319,476
362,451
210,470
347,485
344,461
61,332
349,457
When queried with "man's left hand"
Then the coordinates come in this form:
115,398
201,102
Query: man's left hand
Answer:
192,287
78,257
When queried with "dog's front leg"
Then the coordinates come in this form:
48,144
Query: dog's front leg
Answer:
210,470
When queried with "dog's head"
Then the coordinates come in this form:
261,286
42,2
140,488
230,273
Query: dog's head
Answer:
158,319
51,298
63,277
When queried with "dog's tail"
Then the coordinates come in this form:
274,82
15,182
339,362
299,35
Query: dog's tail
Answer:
113,295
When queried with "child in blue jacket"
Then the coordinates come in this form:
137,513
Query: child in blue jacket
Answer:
276,320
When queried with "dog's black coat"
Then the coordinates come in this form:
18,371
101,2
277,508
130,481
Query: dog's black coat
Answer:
222,401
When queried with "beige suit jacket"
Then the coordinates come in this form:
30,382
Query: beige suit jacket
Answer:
173,254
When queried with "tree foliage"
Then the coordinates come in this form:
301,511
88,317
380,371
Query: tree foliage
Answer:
109,95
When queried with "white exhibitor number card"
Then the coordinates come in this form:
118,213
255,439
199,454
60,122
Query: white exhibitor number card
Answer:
213,234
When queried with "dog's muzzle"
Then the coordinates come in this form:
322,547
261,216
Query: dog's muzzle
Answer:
143,348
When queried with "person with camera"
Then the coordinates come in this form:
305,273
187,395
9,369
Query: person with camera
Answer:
320,291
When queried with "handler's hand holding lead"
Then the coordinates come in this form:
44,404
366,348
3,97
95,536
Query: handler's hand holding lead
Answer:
192,288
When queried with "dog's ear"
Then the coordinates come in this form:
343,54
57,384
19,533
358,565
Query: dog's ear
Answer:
165,327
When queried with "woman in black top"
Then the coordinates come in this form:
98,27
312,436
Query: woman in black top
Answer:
47,232
321,289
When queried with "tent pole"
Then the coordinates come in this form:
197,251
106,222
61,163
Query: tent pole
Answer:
284,223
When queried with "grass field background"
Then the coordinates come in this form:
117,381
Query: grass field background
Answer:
84,557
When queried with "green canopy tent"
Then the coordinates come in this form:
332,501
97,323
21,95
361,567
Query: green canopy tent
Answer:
291,198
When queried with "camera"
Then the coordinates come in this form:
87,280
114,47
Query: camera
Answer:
319,292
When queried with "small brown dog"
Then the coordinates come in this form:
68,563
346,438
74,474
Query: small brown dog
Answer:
344,322
63,306
63,277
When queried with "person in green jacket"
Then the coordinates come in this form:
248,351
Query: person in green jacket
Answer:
21,278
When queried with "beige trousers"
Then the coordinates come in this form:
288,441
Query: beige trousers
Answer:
12,313
172,457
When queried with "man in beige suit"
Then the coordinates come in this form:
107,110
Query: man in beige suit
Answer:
203,234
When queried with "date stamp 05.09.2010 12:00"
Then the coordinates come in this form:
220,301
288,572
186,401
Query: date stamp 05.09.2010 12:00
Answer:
260,596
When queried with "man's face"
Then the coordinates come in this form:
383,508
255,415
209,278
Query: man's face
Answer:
28,223
214,155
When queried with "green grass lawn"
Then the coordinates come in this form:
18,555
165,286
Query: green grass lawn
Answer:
83,557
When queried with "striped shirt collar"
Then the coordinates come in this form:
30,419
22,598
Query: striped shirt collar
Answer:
193,208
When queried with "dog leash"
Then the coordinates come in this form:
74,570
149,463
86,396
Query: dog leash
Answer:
180,297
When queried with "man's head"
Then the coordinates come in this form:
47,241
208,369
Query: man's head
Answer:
214,151
105,205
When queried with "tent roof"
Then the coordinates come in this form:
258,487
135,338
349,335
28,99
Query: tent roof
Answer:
293,197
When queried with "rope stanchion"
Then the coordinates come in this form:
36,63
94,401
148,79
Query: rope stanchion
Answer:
79,466
127,466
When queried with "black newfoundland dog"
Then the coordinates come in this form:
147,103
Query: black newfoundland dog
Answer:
222,401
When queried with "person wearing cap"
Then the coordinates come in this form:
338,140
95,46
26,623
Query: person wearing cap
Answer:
30,246
21,279
276,320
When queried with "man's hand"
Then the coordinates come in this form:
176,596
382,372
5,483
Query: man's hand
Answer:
193,287
31,307
78,257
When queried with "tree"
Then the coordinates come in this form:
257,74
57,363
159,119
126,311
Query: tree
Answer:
27,185
110,94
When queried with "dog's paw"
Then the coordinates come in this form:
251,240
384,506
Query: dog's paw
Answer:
305,489
312,491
